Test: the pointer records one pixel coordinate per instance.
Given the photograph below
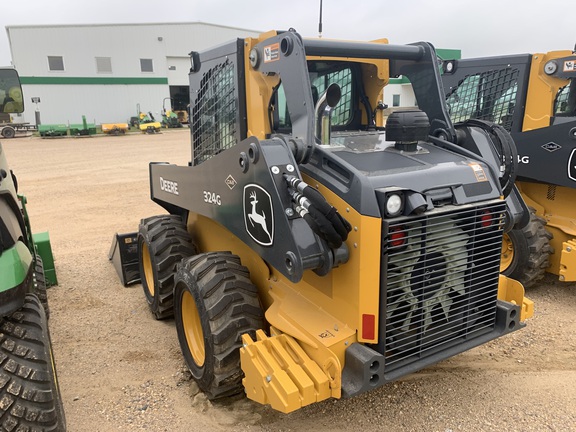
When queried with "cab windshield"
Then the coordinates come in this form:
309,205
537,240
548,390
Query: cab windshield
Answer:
322,74
11,100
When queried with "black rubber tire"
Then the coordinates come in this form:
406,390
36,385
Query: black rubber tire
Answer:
217,288
531,251
8,132
162,243
40,284
30,396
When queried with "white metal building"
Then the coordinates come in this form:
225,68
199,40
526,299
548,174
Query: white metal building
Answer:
111,72
108,72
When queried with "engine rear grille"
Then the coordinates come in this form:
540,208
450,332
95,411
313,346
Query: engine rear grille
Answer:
441,281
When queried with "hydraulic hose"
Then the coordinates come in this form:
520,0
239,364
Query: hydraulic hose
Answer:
323,218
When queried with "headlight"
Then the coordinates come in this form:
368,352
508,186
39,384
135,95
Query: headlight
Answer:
449,66
394,204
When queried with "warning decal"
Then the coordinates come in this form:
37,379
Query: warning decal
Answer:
478,172
570,66
271,53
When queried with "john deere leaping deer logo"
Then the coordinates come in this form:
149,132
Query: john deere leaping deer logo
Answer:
572,166
258,214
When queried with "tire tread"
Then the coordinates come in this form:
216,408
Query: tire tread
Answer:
232,308
532,251
29,396
168,243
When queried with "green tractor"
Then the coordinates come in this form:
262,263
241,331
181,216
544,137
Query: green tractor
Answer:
169,116
29,393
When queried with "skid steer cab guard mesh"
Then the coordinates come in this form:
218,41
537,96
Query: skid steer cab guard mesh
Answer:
217,116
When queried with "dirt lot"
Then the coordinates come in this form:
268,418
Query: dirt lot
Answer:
120,369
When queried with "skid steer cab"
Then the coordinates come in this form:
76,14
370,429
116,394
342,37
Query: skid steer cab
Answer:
313,249
532,96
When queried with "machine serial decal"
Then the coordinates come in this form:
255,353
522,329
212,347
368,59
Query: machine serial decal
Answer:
523,159
478,172
551,147
212,198
572,166
326,334
230,182
258,214
271,53
169,186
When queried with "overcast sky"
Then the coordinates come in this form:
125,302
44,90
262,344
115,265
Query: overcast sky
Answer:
478,28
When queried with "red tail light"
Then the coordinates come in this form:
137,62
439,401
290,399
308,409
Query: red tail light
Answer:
397,236
368,326
486,219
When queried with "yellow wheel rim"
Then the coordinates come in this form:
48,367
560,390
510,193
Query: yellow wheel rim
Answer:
507,253
193,329
147,266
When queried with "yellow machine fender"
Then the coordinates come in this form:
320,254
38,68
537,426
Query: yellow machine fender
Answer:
513,292
568,261
555,205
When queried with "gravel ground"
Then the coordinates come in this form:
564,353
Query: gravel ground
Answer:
121,370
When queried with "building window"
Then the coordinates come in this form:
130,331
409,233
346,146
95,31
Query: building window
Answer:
55,63
146,65
396,100
103,65
172,68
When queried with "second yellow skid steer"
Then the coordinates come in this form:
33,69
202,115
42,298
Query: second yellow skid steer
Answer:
532,96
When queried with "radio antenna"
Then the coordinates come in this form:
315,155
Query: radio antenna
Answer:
320,22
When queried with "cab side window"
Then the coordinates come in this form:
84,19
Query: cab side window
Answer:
565,104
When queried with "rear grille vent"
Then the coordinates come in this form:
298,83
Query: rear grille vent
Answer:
442,281
551,195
